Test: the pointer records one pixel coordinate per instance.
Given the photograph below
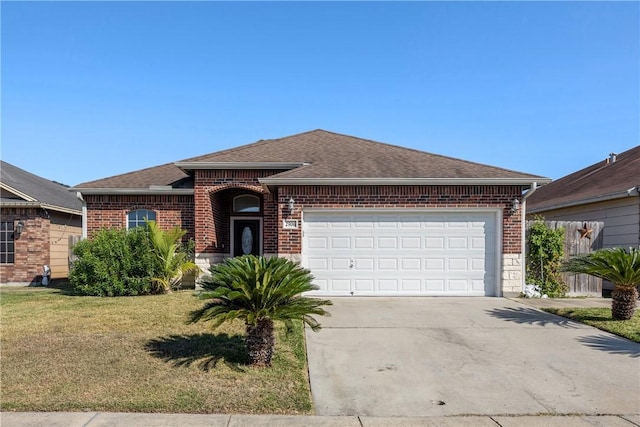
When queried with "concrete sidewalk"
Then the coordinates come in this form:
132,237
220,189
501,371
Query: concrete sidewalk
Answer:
106,419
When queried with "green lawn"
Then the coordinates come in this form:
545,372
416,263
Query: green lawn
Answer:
137,354
601,319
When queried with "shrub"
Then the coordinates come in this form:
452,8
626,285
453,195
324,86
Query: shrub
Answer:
115,263
545,252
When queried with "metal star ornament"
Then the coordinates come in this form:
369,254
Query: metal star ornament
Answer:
585,231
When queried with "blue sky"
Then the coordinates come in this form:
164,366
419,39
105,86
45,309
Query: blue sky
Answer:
94,89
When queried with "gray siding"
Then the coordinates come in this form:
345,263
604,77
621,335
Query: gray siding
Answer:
621,219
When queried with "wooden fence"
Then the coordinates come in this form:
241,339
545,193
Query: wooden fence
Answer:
579,238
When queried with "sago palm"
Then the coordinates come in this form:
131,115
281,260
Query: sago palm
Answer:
618,266
259,290
173,263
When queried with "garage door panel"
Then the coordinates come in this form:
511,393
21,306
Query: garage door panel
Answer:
410,242
434,264
403,254
364,264
477,243
387,223
322,285
389,264
477,264
457,264
457,243
339,242
364,222
343,264
318,242
457,285
366,284
318,264
364,242
434,242
411,285
478,285
434,285
387,243
388,285
411,264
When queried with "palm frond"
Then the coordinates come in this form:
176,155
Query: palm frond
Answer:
617,265
252,288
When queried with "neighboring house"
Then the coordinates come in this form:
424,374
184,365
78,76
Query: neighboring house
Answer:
607,191
366,218
37,218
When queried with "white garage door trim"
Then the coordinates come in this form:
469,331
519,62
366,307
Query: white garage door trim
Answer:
372,270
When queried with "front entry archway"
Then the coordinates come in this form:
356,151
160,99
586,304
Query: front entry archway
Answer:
246,236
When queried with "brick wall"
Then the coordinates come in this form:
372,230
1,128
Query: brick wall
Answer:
31,248
110,211
206,214
214,192
290,241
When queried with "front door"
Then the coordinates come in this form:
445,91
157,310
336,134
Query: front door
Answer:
246,237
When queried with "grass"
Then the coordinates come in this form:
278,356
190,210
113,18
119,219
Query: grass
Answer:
62,352
601,319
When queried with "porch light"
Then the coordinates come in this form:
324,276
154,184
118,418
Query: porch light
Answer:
515,206
291,205
19,228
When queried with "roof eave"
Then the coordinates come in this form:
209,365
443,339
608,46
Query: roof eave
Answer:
189,166
632,192
36,204
135,191
404,181
17,192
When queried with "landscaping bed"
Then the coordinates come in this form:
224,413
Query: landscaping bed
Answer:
62,352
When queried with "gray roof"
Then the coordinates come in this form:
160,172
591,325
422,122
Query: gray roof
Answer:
600,181
35,190
322,156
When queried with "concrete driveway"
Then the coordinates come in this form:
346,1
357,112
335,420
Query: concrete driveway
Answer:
454,356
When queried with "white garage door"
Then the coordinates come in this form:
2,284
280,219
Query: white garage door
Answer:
401,254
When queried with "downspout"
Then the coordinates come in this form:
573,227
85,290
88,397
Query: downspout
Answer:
84,214
523,213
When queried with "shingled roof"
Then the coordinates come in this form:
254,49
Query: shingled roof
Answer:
320,155
601,181
164,175
22,188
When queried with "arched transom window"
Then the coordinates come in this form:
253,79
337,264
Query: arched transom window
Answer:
136,218
246,203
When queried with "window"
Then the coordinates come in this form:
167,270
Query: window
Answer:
7,247
136,218
246,204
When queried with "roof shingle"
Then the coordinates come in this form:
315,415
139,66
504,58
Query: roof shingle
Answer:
326,155
601,179
40,189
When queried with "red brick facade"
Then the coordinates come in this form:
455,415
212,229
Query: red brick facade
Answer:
31,247
214,191
361,197
111,211
206,215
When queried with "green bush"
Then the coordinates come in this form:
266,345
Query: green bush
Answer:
545,252
115,263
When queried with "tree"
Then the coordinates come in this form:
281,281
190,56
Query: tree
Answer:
259,291
618,266
174,263
545,250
